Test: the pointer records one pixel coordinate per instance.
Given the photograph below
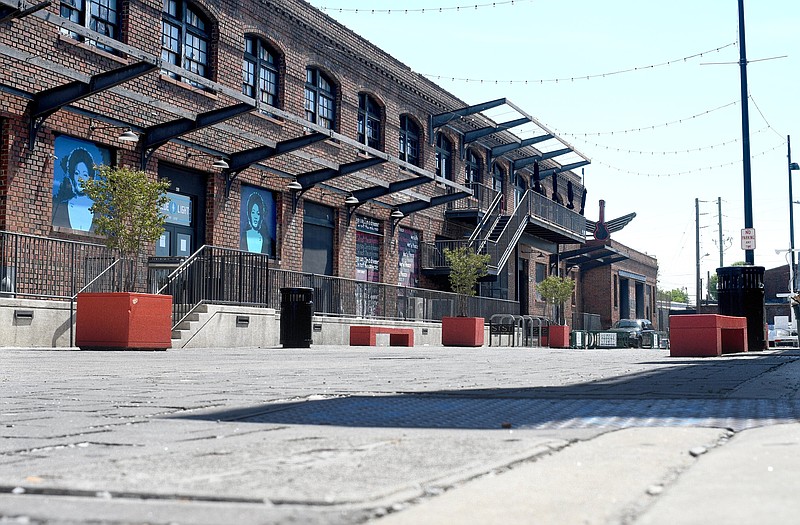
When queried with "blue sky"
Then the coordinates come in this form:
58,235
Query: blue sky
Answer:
684,138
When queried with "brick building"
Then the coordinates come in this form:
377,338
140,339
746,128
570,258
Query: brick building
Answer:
282,133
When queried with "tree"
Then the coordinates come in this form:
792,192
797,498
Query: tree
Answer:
712,286
678,295
555,290
127,210
466,267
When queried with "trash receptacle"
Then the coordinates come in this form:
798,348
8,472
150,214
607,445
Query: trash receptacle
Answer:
297,307
578,339
740,292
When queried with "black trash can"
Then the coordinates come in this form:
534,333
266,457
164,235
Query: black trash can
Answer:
297,307
740,292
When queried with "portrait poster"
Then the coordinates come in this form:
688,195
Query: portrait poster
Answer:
408,257
257,221
76,161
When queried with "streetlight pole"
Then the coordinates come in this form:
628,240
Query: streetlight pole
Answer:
792,166
748,196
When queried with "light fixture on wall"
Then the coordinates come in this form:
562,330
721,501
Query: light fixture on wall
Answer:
126,136
219,160
396,216
351,200
294,185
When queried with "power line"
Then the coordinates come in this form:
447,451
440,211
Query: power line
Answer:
422,10
577,77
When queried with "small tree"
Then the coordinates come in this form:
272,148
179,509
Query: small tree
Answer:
127,210
466,267
555,290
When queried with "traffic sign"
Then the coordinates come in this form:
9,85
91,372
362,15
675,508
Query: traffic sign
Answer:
748,238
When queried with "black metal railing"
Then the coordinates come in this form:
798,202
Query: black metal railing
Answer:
342,297
45,268
481,199
557,214
215,275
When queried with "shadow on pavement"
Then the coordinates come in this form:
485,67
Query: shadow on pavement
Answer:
685,393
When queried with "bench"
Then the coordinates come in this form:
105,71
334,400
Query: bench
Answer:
367,335
700,335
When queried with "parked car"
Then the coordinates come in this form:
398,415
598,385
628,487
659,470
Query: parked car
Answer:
780,337
640,331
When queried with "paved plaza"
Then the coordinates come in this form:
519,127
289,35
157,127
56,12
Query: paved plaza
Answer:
341,435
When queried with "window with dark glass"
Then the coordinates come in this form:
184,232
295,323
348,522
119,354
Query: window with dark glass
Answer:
369,121
444,157
260,71
185,38
98,15
409,140
519,188
472,168
319,99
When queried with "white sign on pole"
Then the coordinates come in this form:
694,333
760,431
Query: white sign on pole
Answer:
748,238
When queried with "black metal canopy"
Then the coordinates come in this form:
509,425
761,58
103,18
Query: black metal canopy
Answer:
410,207
47,102
308,180
9,13
589,256
559,169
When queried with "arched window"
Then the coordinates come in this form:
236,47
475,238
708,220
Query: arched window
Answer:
260,71
320,106
519,188
369,121
185,38
409,140
98,15
498,181
473,168
444,157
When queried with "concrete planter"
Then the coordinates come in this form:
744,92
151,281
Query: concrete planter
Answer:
558,336
123,321
462,331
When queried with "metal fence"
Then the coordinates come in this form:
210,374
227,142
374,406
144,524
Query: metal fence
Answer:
45,268
342,297
214,275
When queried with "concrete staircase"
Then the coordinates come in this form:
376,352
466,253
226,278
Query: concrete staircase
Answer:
184,330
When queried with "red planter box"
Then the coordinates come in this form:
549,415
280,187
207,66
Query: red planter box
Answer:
462,331
558,336
124,320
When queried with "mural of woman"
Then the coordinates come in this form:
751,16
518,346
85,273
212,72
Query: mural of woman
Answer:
70,204
254,238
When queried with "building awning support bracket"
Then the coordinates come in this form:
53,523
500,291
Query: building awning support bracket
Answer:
526,161
9,13
312,178
505,148
156,136
414,206
51,100
439,120
365,194
242,160
566,167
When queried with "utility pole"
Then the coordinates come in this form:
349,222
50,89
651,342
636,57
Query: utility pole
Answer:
748,195
697,251
719,216
793,269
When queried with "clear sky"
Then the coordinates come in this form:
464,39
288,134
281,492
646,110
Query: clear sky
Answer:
684,119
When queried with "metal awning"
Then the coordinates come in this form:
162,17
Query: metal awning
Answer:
592,255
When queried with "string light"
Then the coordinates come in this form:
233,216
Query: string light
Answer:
673,152
687,172
651,127
579,77
421,10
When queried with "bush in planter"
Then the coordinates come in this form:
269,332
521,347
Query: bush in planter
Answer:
555,290
466,267
127,210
